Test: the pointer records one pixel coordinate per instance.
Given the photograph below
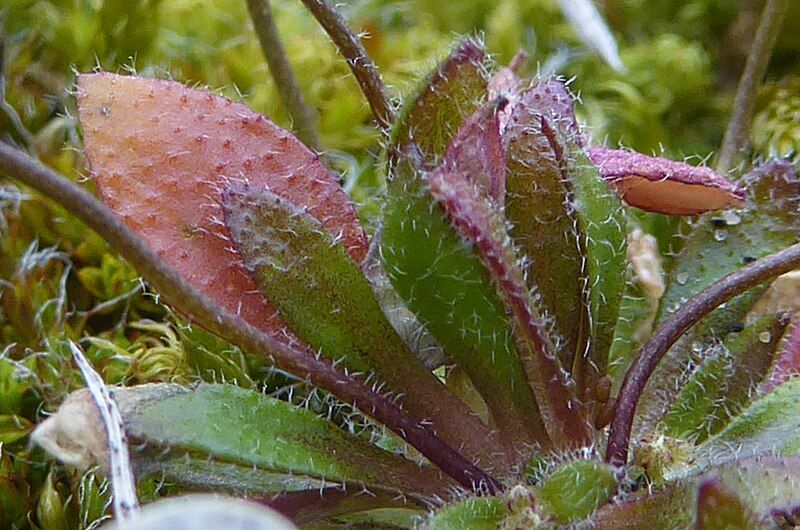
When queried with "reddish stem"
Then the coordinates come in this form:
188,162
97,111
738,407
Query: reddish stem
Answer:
676,325
360,63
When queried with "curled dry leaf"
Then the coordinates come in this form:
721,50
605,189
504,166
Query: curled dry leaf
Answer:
161,153
665,186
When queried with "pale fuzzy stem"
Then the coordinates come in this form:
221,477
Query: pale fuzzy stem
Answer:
757,62
303,117
123,483
360,63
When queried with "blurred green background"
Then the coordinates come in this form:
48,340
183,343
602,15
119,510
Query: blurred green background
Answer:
59,281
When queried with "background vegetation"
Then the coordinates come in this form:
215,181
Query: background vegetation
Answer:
58,280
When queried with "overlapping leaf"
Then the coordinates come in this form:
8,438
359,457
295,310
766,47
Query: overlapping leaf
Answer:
718,245
325,298
439,276
754,488
725,381
161,153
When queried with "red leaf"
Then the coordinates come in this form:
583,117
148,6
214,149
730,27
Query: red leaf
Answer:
161,153
477,150
665,186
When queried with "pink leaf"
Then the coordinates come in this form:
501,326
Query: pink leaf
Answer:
477,150
161,153
665,186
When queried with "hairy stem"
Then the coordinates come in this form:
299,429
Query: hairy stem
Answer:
318,370
360,63
303,117
689,314
754,70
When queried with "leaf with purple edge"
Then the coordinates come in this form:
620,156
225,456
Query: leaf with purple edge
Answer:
325,298
665,186
542,225
719,245
787,364
162,152
479,223
439,277
434,114
442,279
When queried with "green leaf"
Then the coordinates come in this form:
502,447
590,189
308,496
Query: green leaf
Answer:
326,300
212,358
468,208
770,425
443,280
476,513
246,429
724,383
718,245
575,490
431,117
571,227
440,277
542,224
602,222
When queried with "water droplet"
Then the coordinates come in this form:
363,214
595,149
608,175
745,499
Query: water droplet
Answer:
731,218
765,337
682,278
720,235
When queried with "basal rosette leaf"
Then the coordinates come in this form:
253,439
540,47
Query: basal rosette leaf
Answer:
718,245
543,226
324,297
474,215
665,186
476,513
161,153
769,425
787,358
570,226
725,382
442,279
718,508
575,490
224,436
443,100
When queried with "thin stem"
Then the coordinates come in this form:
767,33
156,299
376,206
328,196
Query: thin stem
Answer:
318,370
360,63
754,70
662,340
303,117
